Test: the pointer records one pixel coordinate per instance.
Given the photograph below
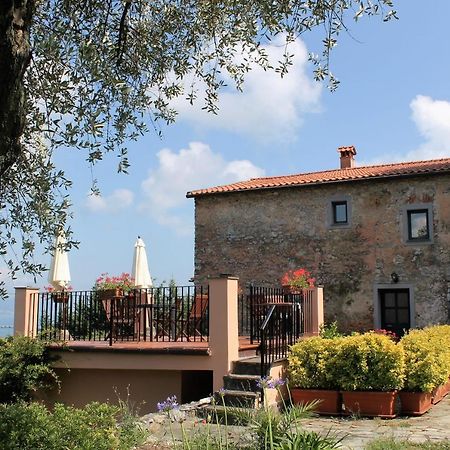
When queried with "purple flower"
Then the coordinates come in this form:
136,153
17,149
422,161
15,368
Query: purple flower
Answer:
269,383
168,405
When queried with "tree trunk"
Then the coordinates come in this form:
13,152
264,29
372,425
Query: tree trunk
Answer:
15,55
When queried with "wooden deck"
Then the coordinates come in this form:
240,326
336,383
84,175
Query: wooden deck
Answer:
172,348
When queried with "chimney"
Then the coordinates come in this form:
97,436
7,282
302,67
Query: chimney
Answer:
347,154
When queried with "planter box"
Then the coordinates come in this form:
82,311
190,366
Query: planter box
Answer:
439,393
415,403
106,294
370,403
330,401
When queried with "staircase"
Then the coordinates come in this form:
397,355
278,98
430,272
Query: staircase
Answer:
240,396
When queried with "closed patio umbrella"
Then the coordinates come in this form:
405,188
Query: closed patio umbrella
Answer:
140,272
143,280
59,278
59,273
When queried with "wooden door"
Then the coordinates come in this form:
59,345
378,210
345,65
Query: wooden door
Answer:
395,310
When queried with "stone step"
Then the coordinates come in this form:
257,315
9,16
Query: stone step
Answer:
230,415
247,366
237,398
239,382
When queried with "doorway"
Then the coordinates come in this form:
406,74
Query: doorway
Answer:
395,310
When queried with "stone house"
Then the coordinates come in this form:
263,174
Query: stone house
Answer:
376,237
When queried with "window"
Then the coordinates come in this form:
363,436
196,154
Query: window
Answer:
418,223
418,226
340,212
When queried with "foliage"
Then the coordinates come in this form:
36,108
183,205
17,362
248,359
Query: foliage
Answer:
312,362
427,358
309,440
369,361
393,444
124,281
96,74
95,427
24,368
299,278
329,330
268,429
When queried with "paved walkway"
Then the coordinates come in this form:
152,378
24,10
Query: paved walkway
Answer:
433,426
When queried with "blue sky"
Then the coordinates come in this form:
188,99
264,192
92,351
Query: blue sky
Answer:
393,104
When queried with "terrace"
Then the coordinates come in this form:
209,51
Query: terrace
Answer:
182,329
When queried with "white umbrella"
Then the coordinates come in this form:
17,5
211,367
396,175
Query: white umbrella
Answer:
140,272
59,273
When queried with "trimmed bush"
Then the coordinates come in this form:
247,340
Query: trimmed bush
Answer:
24,368
98,426
311,363
427,358
369,362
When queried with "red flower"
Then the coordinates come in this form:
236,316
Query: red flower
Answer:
299,278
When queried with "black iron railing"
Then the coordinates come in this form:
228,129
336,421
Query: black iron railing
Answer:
276,321
162,314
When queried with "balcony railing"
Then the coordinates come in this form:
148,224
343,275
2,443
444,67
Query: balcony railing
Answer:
161,314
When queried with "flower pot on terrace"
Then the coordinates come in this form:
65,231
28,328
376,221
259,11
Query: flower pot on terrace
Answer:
60,297
106,294
288,289
415,403
330,401
370,403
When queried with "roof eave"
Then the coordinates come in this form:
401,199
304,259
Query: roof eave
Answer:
193,194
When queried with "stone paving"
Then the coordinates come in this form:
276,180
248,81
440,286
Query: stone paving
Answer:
433,425
356,433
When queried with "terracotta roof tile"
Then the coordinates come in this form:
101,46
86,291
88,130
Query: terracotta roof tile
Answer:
331,176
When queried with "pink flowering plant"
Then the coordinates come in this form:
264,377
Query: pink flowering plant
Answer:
123,281
50,288
298,278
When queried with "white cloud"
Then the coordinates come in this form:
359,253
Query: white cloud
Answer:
270,108
117,201
192,168
432,118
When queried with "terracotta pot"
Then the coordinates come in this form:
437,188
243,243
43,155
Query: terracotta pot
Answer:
439,393
446,387
60,297
330,401
106,294
415,403
370,403
288,289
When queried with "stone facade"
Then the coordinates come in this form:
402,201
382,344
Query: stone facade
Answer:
258,235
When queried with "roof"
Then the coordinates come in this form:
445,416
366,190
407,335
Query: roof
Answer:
332,176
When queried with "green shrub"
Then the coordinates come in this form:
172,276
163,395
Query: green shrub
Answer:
329,330
311,363
370,361
24,368
427,358
95,427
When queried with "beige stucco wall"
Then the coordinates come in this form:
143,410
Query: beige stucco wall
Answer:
259,235
141,388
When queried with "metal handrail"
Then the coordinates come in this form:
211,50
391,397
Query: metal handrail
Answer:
285,330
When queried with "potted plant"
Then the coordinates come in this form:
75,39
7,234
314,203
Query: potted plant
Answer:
427,359
58,296
311,374
294,281
370,369
113,286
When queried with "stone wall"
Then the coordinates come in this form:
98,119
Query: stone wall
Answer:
259,235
